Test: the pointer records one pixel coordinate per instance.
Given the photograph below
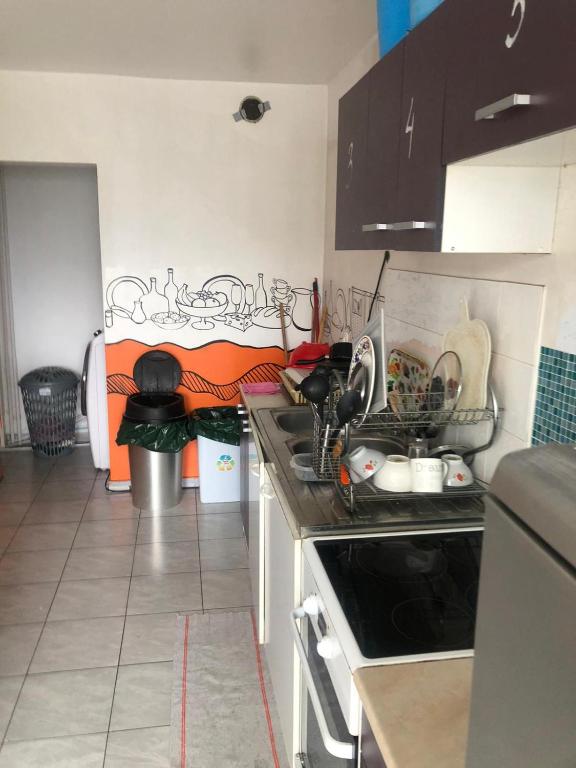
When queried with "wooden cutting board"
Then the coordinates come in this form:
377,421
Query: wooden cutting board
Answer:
471,341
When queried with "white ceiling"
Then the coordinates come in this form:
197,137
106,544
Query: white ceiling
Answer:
283,41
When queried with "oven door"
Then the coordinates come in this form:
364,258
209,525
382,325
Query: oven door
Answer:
325,739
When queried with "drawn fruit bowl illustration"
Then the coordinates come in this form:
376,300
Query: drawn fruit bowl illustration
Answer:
171,321
201,304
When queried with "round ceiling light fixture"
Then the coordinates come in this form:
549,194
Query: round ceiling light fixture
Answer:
251,109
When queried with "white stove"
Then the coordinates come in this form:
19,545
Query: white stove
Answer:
387,598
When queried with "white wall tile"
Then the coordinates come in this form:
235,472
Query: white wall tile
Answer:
518,329
513,383
504,443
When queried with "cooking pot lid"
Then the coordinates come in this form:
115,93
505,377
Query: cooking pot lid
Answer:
157,371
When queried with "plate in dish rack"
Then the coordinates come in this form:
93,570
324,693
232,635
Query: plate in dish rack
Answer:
362,374
408,382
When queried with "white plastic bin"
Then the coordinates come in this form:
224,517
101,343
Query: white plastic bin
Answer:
219,471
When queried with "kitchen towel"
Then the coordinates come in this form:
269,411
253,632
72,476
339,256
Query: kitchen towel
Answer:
223,712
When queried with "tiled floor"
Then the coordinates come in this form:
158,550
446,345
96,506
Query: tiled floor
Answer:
89,592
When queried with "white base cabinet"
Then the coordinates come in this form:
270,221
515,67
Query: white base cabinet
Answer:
253,470
282,579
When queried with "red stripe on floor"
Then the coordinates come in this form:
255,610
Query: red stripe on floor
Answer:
264,695
183,693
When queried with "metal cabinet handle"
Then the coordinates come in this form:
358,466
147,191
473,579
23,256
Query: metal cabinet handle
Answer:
375,227
342,749
399,226
514,100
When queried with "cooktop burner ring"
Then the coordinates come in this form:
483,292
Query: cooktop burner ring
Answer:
418,611
404,564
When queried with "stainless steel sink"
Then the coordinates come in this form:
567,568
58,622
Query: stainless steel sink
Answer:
316,508
296,421
386,445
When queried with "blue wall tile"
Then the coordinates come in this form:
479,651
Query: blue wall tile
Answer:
555,412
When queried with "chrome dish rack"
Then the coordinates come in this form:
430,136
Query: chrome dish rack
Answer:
413,414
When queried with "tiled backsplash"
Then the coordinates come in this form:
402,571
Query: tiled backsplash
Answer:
555,412
421,307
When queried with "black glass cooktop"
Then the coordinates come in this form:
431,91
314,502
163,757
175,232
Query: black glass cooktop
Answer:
405,595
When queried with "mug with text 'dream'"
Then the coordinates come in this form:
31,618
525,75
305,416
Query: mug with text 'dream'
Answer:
395,475
428,475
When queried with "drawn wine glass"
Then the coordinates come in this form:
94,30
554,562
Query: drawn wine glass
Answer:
236,297
249,297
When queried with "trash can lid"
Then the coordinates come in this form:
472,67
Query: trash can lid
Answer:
155,407
53,376
157,371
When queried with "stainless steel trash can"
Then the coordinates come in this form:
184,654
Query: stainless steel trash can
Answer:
156,478
156,416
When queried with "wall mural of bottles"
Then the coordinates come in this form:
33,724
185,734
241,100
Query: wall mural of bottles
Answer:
224,301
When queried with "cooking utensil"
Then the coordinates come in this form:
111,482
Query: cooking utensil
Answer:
471,341
283,328
375,331
466,451
323,318
315,311
316,389
444,390
348,407
376,293
362,374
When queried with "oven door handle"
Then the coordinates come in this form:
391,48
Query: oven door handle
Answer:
342,749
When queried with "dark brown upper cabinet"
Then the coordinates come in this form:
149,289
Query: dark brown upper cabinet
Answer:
510,75
421,176
351,170
381,180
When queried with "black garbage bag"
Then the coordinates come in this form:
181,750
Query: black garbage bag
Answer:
169,437
221,423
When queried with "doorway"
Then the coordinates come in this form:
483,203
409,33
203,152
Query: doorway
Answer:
51,276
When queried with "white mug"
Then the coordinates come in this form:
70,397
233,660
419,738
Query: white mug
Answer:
459,475
364,462
394,475
428,475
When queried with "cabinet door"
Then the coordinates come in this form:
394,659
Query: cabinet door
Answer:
421,175
381,176
256,532
283,595
352,134
523,48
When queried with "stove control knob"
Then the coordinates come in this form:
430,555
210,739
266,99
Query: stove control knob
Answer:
328,648
312,605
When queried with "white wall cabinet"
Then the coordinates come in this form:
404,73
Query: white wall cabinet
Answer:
283,593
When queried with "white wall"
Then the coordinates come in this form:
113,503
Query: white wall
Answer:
180,183
54,248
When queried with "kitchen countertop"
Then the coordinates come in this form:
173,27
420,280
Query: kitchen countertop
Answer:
254,402
418,712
